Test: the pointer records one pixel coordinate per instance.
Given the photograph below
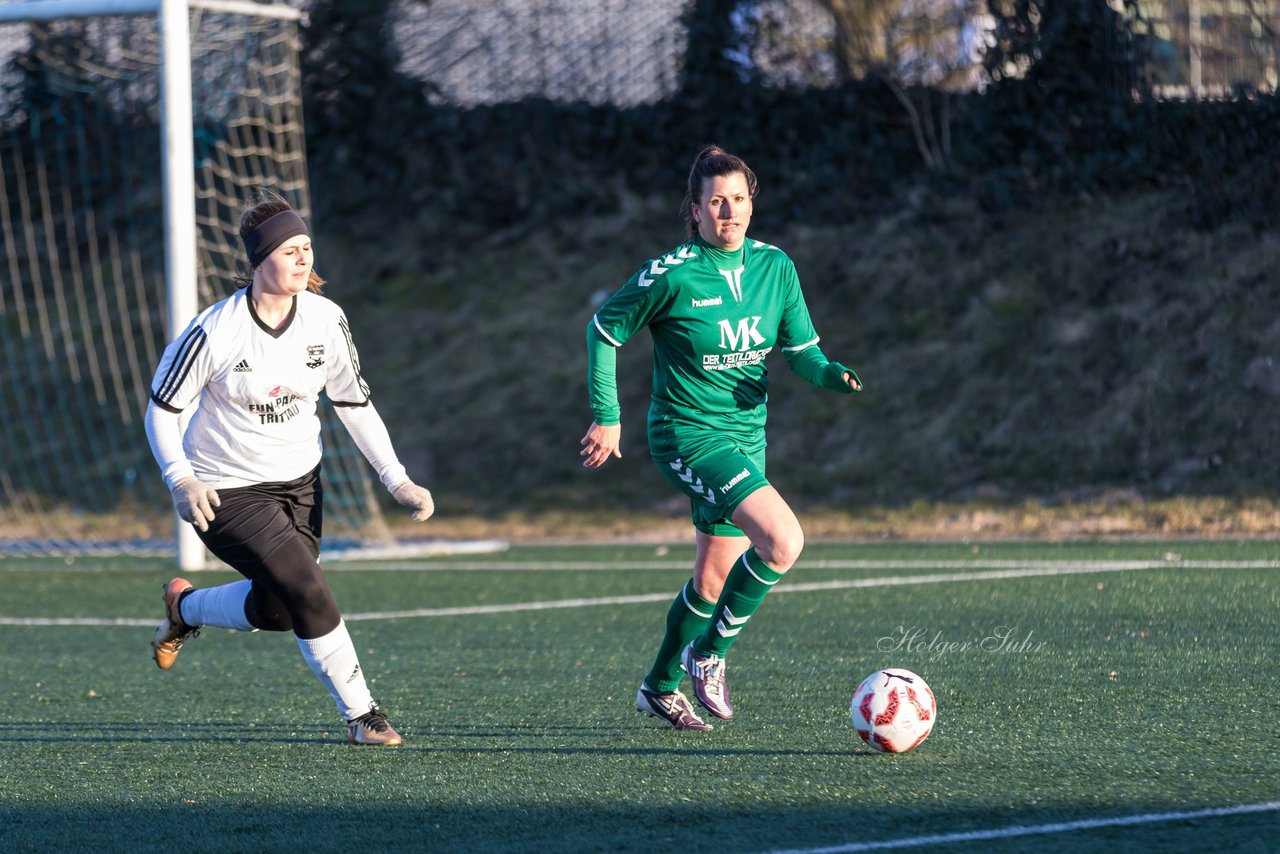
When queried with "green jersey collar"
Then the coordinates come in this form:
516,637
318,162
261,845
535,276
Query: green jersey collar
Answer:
722,259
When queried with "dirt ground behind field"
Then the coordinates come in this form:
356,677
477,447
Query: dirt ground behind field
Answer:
1107,518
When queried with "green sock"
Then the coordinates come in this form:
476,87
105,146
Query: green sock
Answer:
686,619
745,588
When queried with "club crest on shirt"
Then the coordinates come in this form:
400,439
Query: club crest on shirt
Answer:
315,355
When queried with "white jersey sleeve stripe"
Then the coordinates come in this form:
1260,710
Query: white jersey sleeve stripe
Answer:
183,360
804,346
596,320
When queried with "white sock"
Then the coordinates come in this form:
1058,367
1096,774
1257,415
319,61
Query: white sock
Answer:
221,606
333,659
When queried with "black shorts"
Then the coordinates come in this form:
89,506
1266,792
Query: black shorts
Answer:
254,521
270,534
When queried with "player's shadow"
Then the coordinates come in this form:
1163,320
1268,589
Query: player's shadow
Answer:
462,740
97,731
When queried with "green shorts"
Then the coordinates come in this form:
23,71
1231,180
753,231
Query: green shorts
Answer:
717,475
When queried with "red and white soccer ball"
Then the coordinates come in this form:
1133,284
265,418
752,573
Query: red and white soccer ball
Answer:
894,710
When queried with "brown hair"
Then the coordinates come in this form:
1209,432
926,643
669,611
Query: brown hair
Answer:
712,162
268,205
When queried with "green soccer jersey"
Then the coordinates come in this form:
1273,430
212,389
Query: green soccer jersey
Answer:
714,316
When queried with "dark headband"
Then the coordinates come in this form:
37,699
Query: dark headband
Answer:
270,233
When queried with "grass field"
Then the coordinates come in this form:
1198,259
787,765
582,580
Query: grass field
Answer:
1091,697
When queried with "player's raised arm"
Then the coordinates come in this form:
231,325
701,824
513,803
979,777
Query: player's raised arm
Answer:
812,365
799,342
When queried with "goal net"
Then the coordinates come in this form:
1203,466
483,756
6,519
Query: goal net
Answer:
82,262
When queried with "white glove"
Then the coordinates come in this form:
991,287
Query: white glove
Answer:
195,501
411,495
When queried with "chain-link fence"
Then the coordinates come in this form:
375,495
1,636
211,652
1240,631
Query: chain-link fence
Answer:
622,52
627,52
1210,48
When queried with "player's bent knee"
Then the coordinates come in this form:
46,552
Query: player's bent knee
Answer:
782,550
267,613
315,598
276,622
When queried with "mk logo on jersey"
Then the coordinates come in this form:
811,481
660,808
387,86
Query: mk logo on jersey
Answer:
734,279
746,336
242,367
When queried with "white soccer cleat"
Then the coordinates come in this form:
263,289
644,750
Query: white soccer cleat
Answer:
372,728
709,687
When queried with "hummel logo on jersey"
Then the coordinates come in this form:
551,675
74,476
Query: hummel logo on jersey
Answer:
734,278
243,367
747,334
703,303
661,265
734,481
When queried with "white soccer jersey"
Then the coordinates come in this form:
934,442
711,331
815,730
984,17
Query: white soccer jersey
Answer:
257,389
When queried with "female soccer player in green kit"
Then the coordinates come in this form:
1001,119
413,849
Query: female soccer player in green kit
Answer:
715,306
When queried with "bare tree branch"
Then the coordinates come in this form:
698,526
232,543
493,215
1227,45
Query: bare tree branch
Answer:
920,49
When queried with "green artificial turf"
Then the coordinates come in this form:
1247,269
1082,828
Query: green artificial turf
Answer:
1109,694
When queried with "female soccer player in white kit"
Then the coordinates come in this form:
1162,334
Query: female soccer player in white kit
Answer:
246,472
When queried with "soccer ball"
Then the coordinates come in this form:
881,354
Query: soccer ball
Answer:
893,710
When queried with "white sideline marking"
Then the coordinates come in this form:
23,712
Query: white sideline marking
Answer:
668,565
499,566
1029,569
1040,829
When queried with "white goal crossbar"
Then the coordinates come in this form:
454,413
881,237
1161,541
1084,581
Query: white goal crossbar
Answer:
50,10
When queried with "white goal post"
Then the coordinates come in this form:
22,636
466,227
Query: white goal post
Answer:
78,335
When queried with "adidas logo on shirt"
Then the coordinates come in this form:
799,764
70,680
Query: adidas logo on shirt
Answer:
243,367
